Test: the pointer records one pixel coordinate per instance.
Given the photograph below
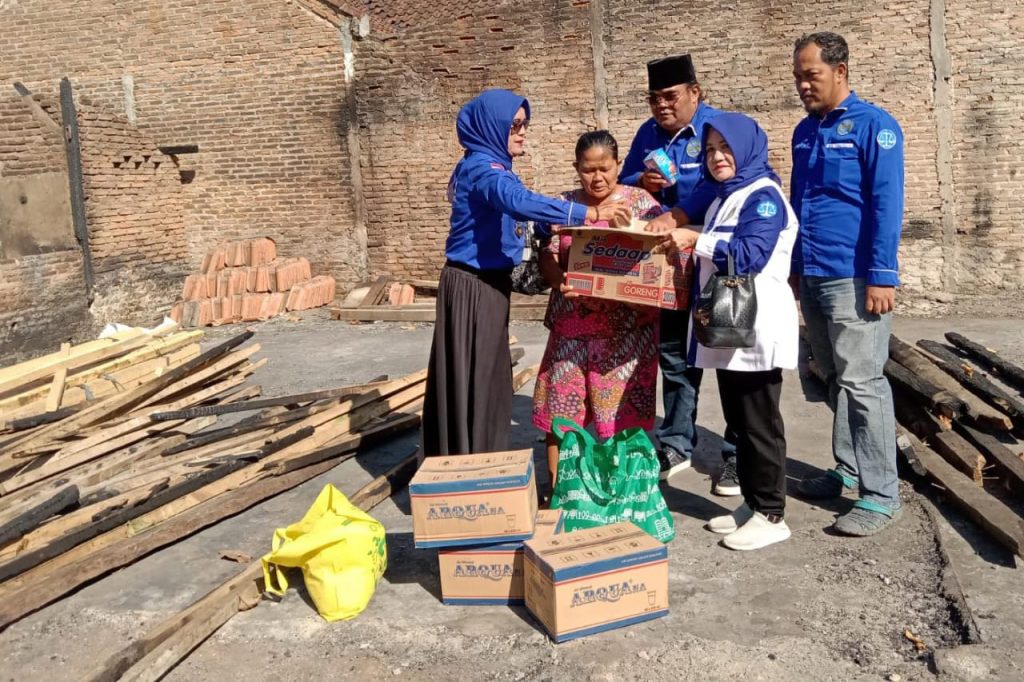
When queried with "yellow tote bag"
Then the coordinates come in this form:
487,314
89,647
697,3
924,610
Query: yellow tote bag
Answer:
342,553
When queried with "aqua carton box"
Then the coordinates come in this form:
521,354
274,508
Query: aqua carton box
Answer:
619,264
474,499
589,581
491,574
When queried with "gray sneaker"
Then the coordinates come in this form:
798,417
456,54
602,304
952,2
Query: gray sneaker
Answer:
831,484
671,462
728,483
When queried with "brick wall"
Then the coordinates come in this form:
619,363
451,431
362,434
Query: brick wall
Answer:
42,302
412,84
257,84
42,289
986,44
411,87
135,206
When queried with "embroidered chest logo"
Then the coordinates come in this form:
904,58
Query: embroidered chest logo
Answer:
886,139
693,147
844,127
767,209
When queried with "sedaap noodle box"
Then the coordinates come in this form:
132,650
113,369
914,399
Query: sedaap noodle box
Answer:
618,264
588,581
474,499
491,574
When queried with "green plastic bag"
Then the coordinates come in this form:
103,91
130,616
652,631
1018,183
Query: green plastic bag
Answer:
603,483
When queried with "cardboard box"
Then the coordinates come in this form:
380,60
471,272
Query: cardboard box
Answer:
589,581
617,264
474,499
491,574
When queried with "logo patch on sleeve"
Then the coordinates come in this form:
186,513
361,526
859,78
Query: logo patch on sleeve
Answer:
767,209
886,139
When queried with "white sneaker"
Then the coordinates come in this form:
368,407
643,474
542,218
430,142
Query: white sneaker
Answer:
731,522
756,533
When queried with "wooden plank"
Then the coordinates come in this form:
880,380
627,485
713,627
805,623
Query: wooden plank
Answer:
105,441
56,394
951,446
107,407
42,585
1003,368
517,313
293,399
156,652
973,380
1009,464
87,523
375,293
19,383
928,394
32,518
54,359
118,374
424,283
925,369
998,520
524,376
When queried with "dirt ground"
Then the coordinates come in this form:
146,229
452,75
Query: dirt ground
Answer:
818,607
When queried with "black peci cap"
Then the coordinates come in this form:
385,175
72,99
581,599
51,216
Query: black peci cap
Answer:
675,70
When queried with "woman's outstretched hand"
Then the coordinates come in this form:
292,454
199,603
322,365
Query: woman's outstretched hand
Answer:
615,213
677,240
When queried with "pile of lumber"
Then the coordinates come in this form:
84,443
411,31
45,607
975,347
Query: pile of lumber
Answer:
395,301
959,407
93,486
151,654
246,281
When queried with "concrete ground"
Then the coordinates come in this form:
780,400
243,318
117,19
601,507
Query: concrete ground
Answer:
818,607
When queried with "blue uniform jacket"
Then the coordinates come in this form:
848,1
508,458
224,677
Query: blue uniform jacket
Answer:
487,198
847,191
683,150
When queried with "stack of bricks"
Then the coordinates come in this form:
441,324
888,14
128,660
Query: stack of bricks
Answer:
244,281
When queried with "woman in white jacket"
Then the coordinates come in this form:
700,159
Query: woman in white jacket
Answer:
751,221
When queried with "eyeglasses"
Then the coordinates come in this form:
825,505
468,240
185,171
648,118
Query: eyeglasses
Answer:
519,125
670,97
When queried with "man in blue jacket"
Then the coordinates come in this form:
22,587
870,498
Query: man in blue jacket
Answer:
676,127
847,189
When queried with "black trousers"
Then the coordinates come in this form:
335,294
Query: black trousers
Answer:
751,404
468,404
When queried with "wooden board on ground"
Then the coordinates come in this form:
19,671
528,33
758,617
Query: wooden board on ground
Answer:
160,649
376,293
518,313
996,518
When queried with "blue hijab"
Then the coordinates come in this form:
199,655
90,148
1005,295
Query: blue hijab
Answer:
749,146
484,123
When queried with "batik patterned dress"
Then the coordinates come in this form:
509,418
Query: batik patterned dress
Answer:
601,362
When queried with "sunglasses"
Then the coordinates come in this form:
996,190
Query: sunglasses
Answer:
519,125
667,97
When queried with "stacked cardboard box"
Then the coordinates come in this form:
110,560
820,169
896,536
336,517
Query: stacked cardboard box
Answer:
246,281
496,548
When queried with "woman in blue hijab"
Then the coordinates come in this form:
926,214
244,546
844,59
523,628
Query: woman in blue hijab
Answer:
752,221
468,404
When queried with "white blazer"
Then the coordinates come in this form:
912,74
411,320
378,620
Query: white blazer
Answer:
776,324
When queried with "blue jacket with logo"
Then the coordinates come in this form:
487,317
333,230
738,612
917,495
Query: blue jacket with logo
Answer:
847,191
683,148
487,198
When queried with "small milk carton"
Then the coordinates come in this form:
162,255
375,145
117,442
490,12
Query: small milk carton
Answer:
474,499
660,161
618,264
491,574
588,581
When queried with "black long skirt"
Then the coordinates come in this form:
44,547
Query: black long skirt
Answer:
468,404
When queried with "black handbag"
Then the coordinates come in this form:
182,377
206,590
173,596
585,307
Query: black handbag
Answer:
726,309
526,277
